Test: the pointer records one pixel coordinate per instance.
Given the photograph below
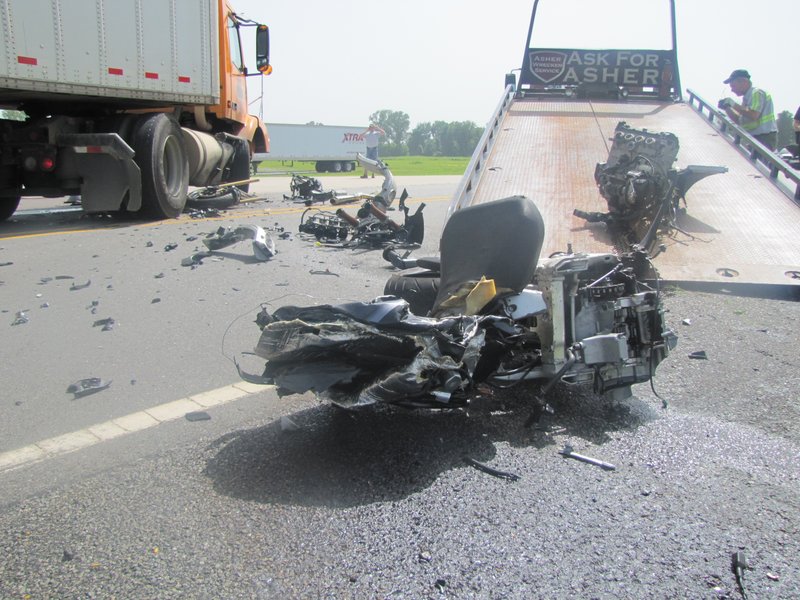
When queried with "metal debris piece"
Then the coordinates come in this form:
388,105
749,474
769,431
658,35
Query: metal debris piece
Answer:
323,272
198,415
107,324
263,246
61,277
149,245
21,318
44,280
155,300
170,246
191,238
195,259
494,472
80,286
568,452
158,276
6,264
699,355
739,565
687,321
88,386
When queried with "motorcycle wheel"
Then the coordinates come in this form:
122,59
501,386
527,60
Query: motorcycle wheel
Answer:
419,290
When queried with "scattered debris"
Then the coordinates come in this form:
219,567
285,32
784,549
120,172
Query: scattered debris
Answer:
170,246
204,213
80,286
158,276
6,264
773,577
67,556
198,415
155,300
86,387
494,472
323,272
699,355
739,565
568,452
687,321
263,245
62,277
107,324
149,245
21,317
372,226
195,259
191,238
288,425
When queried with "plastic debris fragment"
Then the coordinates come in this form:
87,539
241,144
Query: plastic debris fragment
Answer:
263,245
21,318
80,286
88,386
107,324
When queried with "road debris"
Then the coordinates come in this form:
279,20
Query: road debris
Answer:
699,355
86,387
491,471
263,245
170,246
568,452
198,415
80,286
21,317
107,324
195,259
739,565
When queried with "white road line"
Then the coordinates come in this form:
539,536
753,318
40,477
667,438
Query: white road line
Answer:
138,421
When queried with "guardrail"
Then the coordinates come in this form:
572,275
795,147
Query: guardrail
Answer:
782,175
476,165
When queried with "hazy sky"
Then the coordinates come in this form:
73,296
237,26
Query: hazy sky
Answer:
338,61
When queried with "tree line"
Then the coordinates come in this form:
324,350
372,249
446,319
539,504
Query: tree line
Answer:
438,138
459,138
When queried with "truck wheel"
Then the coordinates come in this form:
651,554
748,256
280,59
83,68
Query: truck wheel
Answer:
321,166
418,290
348,166
336,166
161,156
7,207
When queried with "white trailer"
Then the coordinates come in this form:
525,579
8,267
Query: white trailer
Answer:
332,147
127,103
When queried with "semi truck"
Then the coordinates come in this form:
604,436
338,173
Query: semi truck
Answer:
332,148
126,104
558,121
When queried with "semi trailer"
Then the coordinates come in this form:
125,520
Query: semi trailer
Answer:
332,148
126,104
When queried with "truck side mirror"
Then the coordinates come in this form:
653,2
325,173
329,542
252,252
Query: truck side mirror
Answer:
262,50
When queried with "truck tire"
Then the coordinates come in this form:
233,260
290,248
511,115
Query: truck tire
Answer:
8,206
161,156
348,166
336,166
419,290
321,166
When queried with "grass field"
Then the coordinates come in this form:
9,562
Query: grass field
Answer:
399,166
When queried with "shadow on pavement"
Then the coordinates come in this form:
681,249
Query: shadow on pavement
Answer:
339,459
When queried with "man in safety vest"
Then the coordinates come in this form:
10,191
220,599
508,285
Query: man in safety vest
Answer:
756,114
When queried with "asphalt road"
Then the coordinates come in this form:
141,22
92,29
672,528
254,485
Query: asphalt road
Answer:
288,498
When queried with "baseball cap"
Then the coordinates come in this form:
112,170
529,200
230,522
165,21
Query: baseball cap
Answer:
736,74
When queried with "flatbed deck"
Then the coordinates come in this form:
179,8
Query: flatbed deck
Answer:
738,228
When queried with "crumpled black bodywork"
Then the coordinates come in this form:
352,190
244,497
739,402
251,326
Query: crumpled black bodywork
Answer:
363,353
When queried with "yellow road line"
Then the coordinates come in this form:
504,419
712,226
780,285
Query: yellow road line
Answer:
236,215
138,421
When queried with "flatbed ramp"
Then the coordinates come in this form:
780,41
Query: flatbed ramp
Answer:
739,228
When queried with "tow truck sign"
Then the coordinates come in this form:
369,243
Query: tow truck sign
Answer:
643,68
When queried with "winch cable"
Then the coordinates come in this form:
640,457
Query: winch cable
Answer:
599,128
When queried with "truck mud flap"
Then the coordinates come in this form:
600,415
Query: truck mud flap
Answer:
111,180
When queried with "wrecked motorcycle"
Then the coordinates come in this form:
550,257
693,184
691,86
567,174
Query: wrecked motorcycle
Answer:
370,227
641,187
498,316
